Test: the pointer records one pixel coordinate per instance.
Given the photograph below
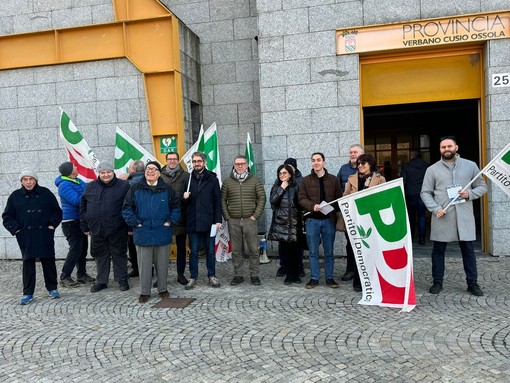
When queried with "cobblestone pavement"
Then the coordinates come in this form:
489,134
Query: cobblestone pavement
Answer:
269,333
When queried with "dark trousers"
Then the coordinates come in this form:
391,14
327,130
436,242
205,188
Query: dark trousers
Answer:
180,241
291,257
468,259
78,246
49,272
112,247
282,257
351,262
416,209
132,253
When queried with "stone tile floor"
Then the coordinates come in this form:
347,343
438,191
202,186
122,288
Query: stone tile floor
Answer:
269,333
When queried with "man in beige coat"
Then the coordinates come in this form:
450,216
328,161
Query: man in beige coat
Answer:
242,203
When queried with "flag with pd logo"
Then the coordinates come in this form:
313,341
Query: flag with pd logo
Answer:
378,227
498,170
249,155
128,150
78,151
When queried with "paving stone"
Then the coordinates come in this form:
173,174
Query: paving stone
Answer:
269,333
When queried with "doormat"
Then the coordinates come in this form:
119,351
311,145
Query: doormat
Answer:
173,303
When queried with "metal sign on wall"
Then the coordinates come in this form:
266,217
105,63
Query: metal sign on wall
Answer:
423,33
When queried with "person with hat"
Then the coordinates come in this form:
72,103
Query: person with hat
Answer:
32,214
151,208
101,219
70,190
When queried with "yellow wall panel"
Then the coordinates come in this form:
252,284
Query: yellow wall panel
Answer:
408,80
27,49
138,9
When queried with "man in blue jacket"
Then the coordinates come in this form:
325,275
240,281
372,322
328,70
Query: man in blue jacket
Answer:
70,190
203,211
101,218
151,209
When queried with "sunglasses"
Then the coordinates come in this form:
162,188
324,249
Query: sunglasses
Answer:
362,163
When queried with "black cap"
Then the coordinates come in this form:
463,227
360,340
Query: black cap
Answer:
291,161
66,168
155,163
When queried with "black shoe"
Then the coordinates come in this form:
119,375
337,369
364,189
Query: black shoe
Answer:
143,299
164,295
236,281
182,280
358,289
475,290
312,283
296,280
281,272
348,275
255,281
133,274
123,285
98,287
330,282
302,273
288,280
436,288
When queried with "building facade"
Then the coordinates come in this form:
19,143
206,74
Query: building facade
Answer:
272,68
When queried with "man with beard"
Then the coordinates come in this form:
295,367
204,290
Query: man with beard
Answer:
442,180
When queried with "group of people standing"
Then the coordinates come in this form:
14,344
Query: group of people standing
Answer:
142,213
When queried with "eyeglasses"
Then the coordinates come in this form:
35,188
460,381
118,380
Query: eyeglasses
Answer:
151,170
240,163
362,163
172,159
283,173
197,161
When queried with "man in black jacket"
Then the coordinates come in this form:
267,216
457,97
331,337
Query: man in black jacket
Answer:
101,218
413,174
203,211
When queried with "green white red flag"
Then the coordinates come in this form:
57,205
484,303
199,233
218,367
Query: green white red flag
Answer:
498,170
207,143
248,153
78,151
378,227
128,150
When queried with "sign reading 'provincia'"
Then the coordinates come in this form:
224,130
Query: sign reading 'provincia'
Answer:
424,33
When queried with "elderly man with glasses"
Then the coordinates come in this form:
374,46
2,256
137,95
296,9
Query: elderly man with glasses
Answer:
243,200
151,209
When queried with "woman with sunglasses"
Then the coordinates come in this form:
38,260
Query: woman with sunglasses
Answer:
286,220
365,178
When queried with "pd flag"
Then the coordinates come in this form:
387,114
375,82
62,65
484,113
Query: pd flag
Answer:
378,227
249,155
498,170
78,151
128,150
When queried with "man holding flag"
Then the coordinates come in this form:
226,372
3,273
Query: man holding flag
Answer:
444,182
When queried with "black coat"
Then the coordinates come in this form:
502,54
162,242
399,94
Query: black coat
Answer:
203,207
286,214
101,207
27,214
413,174
179,182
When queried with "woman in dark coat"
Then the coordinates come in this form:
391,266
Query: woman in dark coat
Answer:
286,220
32,214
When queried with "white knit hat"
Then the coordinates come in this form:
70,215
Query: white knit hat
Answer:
28,173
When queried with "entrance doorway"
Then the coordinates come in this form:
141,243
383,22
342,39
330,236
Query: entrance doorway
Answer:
391,131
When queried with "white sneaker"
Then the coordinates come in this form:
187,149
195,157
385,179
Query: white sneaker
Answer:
214,282
190,285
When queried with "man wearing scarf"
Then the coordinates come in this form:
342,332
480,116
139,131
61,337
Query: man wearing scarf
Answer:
242,202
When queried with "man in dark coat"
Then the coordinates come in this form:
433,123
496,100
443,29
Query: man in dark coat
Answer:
32,214
177,178
412,175
136,173
101,218
203,211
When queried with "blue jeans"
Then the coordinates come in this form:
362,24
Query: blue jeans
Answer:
468,258
78,246
317,229
195,242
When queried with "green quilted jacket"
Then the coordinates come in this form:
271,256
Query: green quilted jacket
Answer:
242,199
